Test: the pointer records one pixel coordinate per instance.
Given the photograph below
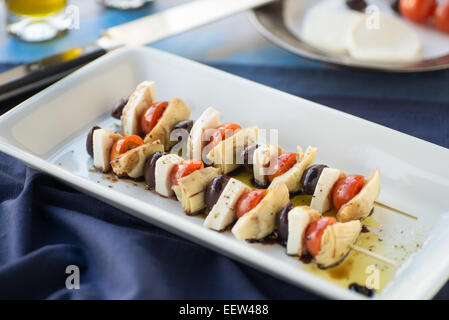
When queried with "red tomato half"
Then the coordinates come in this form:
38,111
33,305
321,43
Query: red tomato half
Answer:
151,116
315,231
224,131
184,168
125,144
417,10
345,189
441,16
284,163
249,201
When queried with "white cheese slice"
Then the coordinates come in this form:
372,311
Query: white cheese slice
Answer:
209,119
298,220
103,139
328,24
141,98
163,168
390,41
223,212
321,199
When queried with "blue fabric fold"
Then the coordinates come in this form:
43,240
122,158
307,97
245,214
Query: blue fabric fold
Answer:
46,226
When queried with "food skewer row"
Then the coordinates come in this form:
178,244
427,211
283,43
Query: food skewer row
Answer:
147,127
156,122
229,199
258,211
296,170
352,196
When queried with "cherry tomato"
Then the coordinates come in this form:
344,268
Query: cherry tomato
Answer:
417,10
249,201
184,168
441,16
224,131
315,231
346,188
125,144
151,116
284,163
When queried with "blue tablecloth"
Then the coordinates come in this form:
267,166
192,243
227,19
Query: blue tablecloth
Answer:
46,226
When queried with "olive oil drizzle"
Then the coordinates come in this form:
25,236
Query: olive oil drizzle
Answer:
351,270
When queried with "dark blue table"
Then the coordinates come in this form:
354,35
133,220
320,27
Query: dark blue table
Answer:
46,226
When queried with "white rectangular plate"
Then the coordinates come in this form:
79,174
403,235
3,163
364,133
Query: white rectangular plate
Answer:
48,132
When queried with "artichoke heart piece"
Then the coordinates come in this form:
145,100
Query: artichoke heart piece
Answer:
225,155
176,111
292,177
131,163
142,97
361,205
260,221
190,189
336,242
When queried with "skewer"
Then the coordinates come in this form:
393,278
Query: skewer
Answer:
374,255
380,204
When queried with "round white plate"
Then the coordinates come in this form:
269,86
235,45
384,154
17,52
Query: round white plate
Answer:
283,28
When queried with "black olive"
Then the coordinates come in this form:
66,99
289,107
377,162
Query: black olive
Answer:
361,289
90,141
248,155
214,190
395,6
150,169
183,125
358,5
186,125
118,109
310,178
282,221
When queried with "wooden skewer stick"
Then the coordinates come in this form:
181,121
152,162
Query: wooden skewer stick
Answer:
380,204
374,255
